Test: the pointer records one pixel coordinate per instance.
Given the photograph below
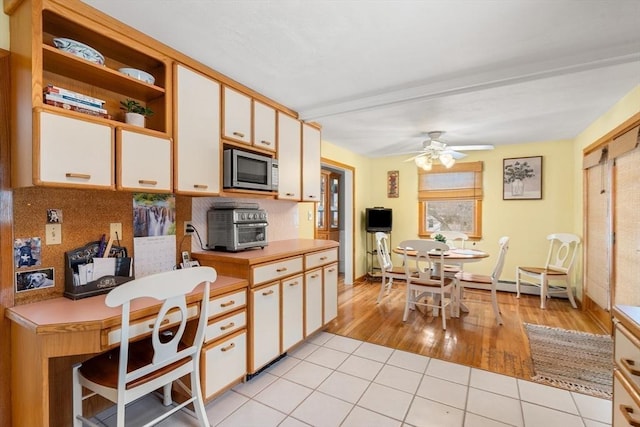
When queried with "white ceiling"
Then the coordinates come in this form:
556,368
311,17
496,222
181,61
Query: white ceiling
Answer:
377,74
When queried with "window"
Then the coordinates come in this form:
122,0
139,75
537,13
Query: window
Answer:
451,199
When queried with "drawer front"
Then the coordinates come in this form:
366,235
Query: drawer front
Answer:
224,363
317,259
145,326
227,303
625,403
627,355
276,270
225,326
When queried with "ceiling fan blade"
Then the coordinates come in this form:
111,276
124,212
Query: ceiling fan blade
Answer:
415,157
456,155
477,147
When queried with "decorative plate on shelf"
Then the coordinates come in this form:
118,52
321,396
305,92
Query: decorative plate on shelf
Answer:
79,49
138,74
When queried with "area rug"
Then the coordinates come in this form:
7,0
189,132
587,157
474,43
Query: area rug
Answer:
572,360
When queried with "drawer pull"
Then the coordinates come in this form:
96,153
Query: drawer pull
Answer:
77,175
311,196
322,258
164,322
313,276
331,270
265,142
281,270
289,194
629,365
200,186
227,304
225,327
296,283
269,292
147,182
239,134
627,412
229,347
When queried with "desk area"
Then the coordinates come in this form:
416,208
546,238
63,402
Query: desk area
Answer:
48,337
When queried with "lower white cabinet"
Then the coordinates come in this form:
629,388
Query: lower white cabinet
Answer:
224,362
264,325
330,282
313,298
292,312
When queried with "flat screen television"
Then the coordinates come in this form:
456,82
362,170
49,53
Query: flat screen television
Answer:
378,219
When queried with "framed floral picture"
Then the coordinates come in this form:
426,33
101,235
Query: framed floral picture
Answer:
522,178
392,184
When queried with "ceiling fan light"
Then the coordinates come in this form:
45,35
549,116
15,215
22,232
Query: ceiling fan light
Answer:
447,160
420,161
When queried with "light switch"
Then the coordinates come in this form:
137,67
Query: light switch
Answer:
53,234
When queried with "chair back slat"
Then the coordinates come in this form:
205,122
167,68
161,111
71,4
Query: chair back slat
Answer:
562,251
497,269
382,246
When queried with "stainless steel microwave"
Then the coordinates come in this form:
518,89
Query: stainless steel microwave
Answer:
250,171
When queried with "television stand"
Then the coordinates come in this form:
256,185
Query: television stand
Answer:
374,272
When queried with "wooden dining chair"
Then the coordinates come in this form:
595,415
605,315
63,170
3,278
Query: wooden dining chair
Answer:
426,253
560,258
480,281
455,240
140,366
388,270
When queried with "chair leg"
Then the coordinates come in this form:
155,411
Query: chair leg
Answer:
517,283
166,393
382,289
406,305
494,302
444,313
543,291
198,405
77,396
570,295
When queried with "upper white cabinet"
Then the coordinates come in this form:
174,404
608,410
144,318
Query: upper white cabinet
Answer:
236,116
289,157
73,152
311,168
197,133
264,126
144,161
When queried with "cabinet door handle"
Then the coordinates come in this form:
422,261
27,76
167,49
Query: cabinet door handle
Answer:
269,292
296,283
164,322
322,258
147,182
77,175
281,270
627,412
629,365
227,304
239,134
311,196
313,276
265,142
225,327
200,186
289,194
229,347
331,270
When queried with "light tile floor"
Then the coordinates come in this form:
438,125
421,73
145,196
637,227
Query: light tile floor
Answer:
332,380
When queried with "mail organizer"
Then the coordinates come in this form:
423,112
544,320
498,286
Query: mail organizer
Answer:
87,275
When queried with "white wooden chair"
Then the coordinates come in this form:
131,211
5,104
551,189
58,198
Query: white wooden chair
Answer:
389,272
481,281
562,253
137,368
455,239
441,288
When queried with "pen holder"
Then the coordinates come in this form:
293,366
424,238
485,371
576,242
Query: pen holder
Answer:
100,285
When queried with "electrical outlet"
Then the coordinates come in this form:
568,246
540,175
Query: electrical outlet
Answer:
188,224
53,234
115,231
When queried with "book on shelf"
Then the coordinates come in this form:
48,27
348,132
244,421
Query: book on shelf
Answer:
74,98
83,110
75,103
76,95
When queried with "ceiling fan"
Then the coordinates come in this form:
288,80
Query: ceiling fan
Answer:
434,149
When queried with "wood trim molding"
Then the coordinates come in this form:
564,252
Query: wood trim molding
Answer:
613,133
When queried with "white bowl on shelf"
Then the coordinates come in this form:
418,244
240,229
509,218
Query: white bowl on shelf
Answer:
138,74
79,49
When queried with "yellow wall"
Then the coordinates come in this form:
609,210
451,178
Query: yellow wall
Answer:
306,225
4,31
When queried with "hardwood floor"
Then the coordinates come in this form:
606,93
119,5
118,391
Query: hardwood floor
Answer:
475,339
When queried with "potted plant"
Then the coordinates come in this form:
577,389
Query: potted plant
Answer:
515,174
134,112
440,238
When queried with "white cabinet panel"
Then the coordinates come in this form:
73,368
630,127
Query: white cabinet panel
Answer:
276,270
330,290
227,303
236,116
310,163
75,152
225,326
265,331
264,126
197,133
292,312
224,363
144,161
289,157
313,301
316,259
